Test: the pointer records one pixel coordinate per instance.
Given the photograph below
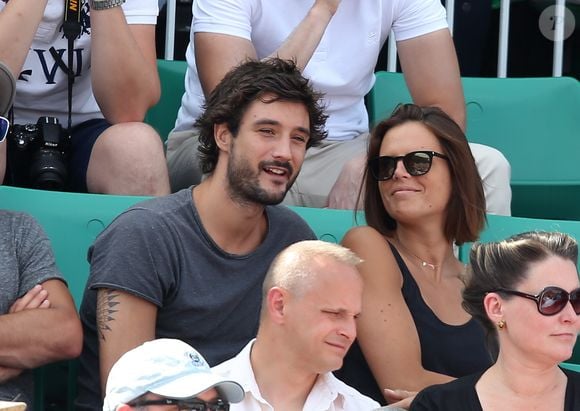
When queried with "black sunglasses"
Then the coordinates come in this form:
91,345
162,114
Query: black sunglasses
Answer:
551,300
4,126
416,163
186,405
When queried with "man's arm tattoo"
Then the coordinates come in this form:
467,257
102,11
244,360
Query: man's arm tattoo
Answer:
107,301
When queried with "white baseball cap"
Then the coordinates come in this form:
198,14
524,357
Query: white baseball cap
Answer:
166,367
7,89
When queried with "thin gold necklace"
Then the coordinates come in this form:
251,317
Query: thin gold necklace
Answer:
424,264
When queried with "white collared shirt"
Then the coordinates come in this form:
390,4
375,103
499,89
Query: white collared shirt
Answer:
328,393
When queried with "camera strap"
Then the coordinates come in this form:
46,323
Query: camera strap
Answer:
72,30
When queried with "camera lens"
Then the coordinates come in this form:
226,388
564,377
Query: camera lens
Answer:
48,171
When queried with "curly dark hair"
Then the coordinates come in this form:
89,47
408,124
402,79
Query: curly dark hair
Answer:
466,209
247,83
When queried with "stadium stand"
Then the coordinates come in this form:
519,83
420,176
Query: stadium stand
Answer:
72,221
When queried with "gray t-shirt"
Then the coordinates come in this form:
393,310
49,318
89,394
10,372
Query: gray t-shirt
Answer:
26,259
159,251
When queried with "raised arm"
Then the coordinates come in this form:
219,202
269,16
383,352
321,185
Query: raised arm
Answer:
51,331
216,54
124,66
431,71
123,322
386,331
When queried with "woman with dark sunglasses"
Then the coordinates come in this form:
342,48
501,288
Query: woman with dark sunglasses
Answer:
525,291
421,192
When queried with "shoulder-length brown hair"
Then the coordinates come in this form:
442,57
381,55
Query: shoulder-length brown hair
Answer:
466,209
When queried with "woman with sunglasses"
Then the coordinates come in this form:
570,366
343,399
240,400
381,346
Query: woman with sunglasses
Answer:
422,192
525,291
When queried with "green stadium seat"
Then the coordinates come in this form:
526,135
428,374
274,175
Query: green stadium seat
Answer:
534,122
162,116
570,366
500,227
72,221
329,224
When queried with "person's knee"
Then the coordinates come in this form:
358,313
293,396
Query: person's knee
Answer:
184,166
345,192
128,159
495,173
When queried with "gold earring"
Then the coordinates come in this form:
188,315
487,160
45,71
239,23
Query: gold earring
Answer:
501,324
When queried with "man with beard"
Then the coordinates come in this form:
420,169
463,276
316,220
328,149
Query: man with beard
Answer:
190,265
336,43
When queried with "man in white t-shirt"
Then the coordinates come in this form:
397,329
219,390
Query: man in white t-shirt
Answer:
115,83
311,297
336,43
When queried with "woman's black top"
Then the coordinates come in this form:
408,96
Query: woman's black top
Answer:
460,395
454,350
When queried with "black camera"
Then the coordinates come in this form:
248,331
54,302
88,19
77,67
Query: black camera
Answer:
37,155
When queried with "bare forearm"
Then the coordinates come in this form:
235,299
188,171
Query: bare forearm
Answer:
19,21
31,338
305,38
432,73
124,76
216,54
416,381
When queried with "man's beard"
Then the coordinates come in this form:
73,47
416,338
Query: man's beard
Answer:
244,184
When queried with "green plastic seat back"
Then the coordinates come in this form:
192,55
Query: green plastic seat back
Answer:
388,91
162,116
71,221
570,366
534,122
501,227
328,224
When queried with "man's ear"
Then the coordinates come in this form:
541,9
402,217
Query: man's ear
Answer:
276,303
123,407
223,136
493,305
